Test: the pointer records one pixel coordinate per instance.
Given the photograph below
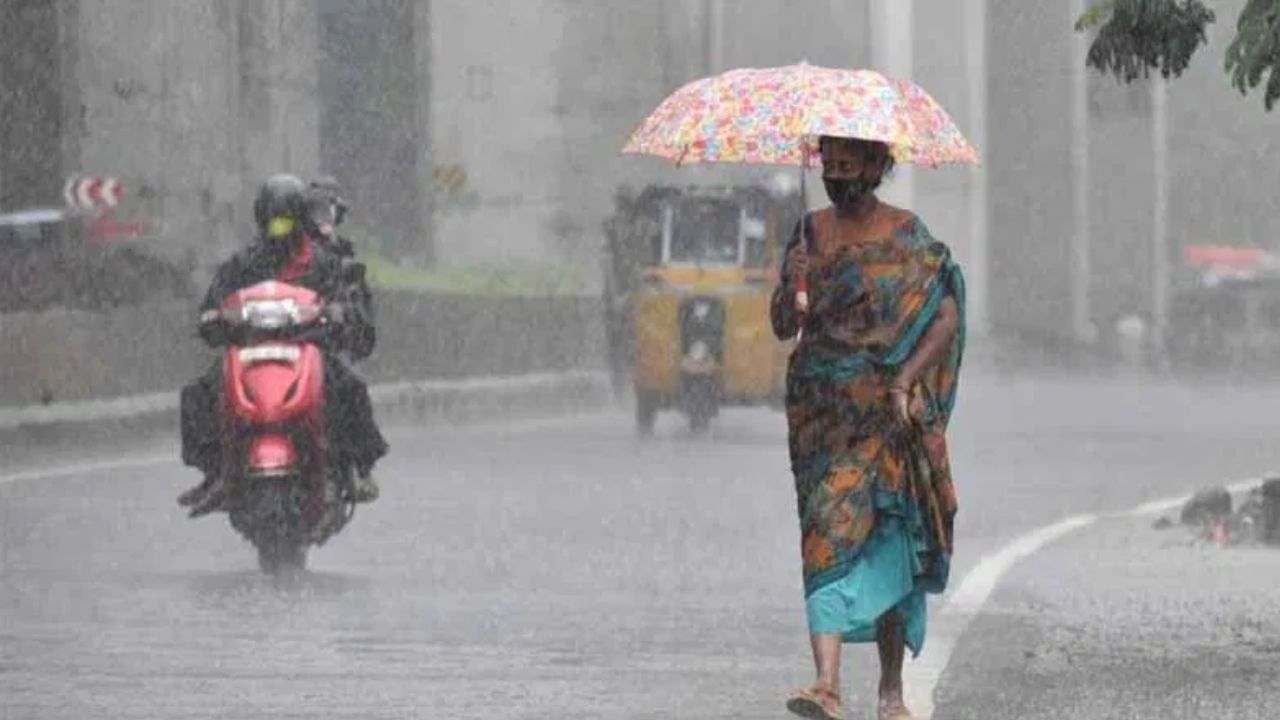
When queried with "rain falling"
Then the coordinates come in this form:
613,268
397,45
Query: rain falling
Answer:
670,359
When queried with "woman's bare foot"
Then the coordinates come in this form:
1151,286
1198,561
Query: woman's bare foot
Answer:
891,642
891,706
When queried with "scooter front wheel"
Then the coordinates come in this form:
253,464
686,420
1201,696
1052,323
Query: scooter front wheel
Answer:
270,515
282,557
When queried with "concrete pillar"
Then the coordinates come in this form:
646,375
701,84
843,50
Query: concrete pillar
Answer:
279,111
975,34
715,36
1081,312
425,161
32,86
1160,261
893,53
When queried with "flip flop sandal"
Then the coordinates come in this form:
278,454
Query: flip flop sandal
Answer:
815,704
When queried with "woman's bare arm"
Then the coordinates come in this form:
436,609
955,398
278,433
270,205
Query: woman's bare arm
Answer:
932,345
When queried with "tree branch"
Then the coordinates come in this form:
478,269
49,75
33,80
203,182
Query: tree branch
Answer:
1136,36
1255,51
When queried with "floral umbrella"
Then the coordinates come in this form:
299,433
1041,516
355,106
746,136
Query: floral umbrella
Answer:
773,115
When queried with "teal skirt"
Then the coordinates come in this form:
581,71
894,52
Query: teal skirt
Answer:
882,578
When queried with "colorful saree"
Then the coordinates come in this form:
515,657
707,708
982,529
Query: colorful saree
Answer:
876,503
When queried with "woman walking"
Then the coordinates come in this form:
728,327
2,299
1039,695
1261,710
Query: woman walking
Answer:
870,389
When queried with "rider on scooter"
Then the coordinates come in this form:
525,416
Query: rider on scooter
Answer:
325,212
285,251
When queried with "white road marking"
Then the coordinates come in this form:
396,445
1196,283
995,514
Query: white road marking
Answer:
88,468
959,607
978,585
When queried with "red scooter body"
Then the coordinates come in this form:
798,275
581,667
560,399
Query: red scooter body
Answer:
287,488
273,382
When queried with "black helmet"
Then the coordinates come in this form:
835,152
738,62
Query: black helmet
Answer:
319,219
327,186
281,206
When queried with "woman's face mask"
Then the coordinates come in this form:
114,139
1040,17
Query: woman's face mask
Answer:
847,176
848,193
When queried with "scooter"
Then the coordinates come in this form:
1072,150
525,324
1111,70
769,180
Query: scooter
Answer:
287,488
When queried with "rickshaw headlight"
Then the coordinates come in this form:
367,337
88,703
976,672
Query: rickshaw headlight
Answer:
698,351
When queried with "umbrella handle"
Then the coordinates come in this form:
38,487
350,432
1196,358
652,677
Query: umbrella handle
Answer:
802,282
802,304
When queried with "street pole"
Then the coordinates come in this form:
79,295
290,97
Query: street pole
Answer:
715,36
1160,220
975,14
892,53
1082,327
425,253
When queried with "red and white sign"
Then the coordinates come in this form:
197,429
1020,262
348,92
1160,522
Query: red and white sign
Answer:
92,193
1226,256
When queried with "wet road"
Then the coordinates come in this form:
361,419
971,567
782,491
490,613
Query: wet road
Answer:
562,568
1125,622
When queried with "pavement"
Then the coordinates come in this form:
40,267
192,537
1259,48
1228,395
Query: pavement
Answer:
1123,621
561,567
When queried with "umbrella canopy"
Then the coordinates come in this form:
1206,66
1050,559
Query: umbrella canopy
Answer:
774,115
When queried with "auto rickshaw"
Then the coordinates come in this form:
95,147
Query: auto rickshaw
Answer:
687,287
1225,310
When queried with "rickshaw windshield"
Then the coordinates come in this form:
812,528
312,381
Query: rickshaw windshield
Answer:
703,232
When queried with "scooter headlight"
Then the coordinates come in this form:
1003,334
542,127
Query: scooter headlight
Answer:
699,351
270,353
269,314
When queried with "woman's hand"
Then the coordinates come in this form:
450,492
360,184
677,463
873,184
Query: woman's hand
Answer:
334,312
900,400
908,406
798,272
797,262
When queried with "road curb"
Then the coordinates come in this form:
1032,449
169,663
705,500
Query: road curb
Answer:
420,401
491,397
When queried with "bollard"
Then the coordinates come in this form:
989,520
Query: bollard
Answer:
1131,339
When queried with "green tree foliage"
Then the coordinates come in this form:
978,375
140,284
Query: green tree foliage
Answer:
1137,36
1133,37
1256,49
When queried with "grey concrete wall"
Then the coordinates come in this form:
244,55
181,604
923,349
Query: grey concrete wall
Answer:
494,119
156,108
512,125
1029,165
189,103
31,67
372,128
277,95
942,195
533,99
1121,193
72,355
1221,172
1223,149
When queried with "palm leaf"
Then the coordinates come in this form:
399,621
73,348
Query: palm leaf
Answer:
1136,36
1255,50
